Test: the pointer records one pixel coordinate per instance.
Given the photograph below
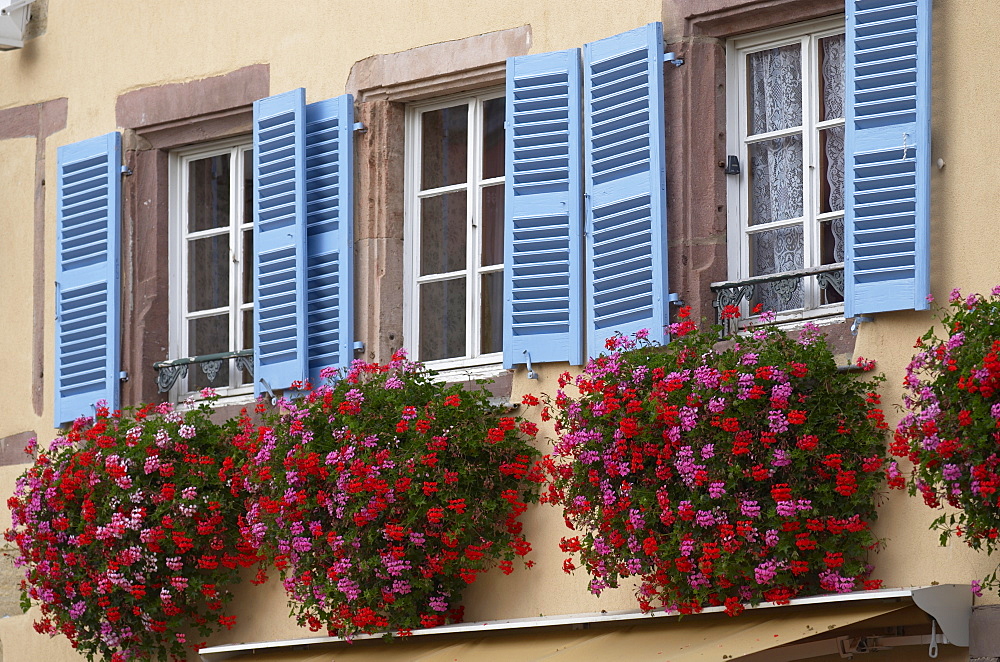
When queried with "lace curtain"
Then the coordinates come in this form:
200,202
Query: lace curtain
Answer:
833,53
775,103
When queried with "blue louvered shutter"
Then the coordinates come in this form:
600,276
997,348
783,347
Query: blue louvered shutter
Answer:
543,282
329,229
626,185
88,242
280,240
887,185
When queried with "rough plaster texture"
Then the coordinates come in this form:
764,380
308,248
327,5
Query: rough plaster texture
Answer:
20,380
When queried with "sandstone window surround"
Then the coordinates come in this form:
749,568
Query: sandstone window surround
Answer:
158,120
383,87
699,31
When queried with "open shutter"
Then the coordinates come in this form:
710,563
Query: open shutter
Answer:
887,185
330,229
87,276
543,224
279,240
625,185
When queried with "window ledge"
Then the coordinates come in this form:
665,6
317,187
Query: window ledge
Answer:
465,373
168,372
740,293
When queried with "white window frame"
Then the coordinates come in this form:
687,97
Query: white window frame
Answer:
178,212
474,364
808,35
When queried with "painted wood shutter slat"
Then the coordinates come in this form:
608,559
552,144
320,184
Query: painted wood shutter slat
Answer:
543,215
624,171
329,233
88,245
279,240
887,185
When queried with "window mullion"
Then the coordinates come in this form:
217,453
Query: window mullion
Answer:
744,156
413,158
473,210
235,259
810,175
182,271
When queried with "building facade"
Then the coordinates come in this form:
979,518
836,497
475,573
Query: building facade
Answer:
497,187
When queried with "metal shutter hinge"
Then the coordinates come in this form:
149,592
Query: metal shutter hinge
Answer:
672,58
531,371
267,387
858,321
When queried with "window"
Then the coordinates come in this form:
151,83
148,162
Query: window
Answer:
786,125
453,232
212,262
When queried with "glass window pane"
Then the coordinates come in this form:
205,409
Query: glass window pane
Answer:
775,251
831,241
832,80
208,273
444,146
491,314
242,376
208,335
443,221
491,225
774,89
831,179
248,186
208,193
247,266
493,138
442,319
775,180
247,329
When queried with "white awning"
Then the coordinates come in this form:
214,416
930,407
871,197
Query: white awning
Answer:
804,628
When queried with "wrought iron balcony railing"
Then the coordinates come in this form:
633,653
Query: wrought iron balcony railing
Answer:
783,288
168,372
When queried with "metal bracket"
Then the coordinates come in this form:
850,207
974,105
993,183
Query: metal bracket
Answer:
14,5
858,321
127,171
675,299
123,376
527,359
359,127
358,346
672,59
267,387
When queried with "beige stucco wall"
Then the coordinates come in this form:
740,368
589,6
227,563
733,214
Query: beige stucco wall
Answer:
963,244
17,176
94,50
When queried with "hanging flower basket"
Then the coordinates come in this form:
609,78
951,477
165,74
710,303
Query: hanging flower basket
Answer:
127,534
381,497
950,429
718,477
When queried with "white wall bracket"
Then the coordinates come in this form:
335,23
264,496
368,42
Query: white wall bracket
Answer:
14,15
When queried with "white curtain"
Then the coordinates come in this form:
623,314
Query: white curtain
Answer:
834,81
775,102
